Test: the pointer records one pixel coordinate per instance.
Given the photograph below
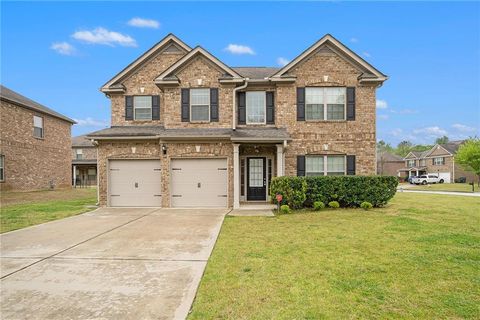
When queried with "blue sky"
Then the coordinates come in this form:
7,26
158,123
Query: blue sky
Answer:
60,53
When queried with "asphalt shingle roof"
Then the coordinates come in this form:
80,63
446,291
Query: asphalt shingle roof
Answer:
256,72
25,102
81,141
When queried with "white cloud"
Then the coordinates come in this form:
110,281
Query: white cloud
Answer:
404,111
382,104
367,54
105,37
353,40
91,122
64,48
463,128
239,49
383,116
396,132
282,61
144,23
433,131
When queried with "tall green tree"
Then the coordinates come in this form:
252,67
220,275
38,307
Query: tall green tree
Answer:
468,156
404,147
442,140
383,146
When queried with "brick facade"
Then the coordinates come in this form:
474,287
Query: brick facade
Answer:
32,163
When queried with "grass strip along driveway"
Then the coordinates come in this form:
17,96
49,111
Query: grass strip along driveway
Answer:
23,209
418,257
452,187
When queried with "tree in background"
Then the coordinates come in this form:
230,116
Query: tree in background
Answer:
442,140
383,146
468,156
403,148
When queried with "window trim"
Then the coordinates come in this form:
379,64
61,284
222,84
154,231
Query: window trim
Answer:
2,167
325,105
264,108
325,163
42,128
439,164
134,108
77,153
408,163
208,106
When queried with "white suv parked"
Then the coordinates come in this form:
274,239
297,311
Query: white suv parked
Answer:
427,178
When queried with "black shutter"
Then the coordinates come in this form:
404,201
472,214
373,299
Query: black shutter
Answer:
300,166
351,103
270,107
433,161
155,107
185,100
300,104
351,165
128,107
242,108
214,104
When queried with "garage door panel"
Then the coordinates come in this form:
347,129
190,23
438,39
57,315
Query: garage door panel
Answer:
199,183
135,183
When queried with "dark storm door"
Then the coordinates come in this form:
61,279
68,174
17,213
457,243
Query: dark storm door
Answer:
256,179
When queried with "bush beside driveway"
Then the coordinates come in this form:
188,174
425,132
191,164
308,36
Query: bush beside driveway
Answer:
415,258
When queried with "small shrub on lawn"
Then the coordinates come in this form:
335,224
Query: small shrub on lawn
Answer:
293,191
334,204
285,209
365,205
318,205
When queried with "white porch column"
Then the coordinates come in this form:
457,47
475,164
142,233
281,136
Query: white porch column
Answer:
236,176
280,162
74,175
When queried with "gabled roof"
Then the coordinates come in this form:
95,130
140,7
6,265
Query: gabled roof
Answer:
16,98
389,157
112,86
370,72
167,75
82,141
451,147
256,72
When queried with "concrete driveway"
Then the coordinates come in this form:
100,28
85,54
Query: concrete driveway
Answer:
108,264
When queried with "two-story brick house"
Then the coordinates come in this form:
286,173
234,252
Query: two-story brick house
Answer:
439,160
34,144
84,162
189,131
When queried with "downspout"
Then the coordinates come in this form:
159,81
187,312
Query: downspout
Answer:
95,143
234,123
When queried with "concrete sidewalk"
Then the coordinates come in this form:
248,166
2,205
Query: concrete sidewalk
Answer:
108,264
453,193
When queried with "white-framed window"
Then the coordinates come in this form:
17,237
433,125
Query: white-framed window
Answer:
142,107
37,127
325,165
2,167
422,163
439,161
200,105
325,103
79,154
410,163
256,107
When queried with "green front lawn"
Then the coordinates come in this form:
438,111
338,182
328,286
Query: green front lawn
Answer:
456,187
23,209
417,258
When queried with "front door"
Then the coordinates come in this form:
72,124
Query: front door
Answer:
256,179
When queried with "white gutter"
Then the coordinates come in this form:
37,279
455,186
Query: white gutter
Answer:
234,122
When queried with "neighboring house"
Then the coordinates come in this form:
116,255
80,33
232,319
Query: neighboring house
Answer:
189,131
389,164
84,162
439,160
34,144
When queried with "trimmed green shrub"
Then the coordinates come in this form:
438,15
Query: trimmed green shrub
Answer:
334,204
348,191
365,205
292,189
318,205
285,209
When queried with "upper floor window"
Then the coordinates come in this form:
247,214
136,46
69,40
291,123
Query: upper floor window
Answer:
256,107
411,163
439,161
325,103
142,106
37,127
199,104
325,165
79,154
422,162
2,168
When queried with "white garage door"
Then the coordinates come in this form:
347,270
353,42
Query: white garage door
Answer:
445,176
135,183
199,183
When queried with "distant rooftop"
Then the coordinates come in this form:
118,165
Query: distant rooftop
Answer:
256,72
82,141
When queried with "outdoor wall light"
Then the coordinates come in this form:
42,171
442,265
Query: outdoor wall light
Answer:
325,78
142,89
164,149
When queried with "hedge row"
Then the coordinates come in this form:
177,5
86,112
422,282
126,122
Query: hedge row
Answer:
349,191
